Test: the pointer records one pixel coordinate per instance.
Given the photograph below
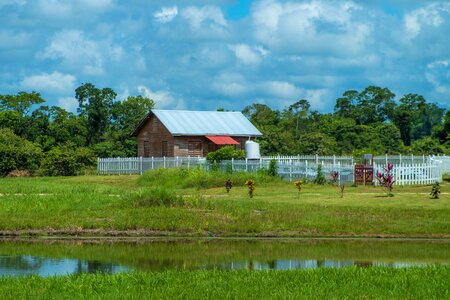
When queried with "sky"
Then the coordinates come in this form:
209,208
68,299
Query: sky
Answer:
204,55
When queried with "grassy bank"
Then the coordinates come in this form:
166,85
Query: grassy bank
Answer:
196,204
417,283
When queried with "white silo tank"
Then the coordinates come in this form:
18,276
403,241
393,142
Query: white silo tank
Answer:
252,150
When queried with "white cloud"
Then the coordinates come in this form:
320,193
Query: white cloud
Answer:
10,39
68,103
245,54
431,15
438,74
207,21
63,8
54,82
313,27
281,89
166,14
162,98
78,52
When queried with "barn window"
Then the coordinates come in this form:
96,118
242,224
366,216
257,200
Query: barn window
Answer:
195,148
146,148
164,149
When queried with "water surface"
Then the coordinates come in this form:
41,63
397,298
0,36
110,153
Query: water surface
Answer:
62,257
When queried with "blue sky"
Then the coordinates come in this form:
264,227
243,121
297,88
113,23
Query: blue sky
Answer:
201,54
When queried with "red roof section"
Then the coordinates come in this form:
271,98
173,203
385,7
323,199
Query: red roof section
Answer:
222,140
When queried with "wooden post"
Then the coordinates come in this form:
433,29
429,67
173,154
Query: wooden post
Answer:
153,163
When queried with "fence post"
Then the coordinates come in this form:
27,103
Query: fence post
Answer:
140,165
385,160
246,164
334,159
164,162
153,163
189,162
306,168
400,159
232,164
317,159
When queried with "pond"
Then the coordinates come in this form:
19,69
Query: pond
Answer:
62,257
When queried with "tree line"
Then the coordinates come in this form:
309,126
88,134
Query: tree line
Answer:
367,121
49,140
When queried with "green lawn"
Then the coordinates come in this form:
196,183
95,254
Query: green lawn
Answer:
350,283
123,205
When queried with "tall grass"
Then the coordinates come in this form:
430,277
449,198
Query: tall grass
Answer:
350,283
200,179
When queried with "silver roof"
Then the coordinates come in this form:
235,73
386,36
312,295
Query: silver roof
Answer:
184,122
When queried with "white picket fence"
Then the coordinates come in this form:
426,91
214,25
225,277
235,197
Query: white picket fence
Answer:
317,159
413,170
412,174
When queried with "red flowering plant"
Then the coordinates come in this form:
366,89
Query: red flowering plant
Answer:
334,175
386,180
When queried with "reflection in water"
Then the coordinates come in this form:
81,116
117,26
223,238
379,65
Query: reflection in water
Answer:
19,258
295,264
31,265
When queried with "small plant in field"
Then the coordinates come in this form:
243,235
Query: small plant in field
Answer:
250,183
273,170
386,180
342,187
228,185
298,184
320,178
435,190
334,177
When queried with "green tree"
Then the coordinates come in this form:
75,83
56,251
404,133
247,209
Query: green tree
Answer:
95,106
21,103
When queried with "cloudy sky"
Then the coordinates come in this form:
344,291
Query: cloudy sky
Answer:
202,54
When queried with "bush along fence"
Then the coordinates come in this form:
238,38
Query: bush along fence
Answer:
407,170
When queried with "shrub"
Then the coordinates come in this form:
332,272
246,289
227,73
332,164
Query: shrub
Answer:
435,191
298,184
250,183
273,169
386,180
67,161
225,153
320,178
17,153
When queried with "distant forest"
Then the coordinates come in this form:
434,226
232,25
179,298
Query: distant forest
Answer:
53,141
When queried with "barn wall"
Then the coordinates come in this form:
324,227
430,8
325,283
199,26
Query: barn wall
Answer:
154,133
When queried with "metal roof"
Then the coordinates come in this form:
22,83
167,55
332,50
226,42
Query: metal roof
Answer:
184,122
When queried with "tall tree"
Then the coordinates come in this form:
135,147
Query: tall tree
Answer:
127,114
21,102
95,106
297,112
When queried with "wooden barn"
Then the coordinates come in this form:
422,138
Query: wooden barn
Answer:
191,133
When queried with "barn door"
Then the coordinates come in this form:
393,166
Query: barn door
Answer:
195,148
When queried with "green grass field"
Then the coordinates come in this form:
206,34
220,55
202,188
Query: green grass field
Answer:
176,203
349,283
